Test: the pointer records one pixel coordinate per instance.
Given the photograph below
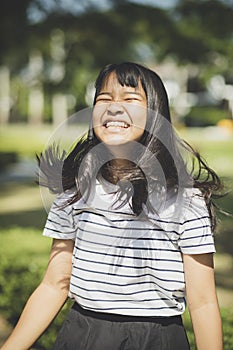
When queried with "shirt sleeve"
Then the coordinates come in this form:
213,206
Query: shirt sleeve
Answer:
196,236
60,223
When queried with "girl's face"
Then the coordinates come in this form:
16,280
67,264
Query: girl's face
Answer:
120,112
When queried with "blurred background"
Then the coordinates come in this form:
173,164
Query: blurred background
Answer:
50,54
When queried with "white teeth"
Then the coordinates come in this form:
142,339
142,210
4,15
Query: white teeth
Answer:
116,124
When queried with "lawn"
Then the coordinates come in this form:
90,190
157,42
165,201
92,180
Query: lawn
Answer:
27,140
214,146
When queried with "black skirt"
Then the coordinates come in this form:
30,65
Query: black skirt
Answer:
88,330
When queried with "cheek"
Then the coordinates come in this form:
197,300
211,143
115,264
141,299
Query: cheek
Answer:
138,115
138,132
97,113
97,130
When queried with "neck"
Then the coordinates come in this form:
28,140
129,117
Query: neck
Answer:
120,163
122,152
118,169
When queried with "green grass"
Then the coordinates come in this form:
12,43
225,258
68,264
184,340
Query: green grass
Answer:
25,243
217,151
23,139
27,140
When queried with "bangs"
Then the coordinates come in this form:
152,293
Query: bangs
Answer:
127,75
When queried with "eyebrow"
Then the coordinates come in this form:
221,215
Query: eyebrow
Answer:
124,93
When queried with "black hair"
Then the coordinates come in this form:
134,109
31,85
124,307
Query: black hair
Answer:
158,140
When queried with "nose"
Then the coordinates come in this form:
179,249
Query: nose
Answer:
115,108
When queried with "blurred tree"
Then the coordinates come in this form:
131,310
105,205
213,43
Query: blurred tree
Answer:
149,29
90,37
14,33
205,30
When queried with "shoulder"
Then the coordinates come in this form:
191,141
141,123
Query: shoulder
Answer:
194,205
178,204
175,209
64,197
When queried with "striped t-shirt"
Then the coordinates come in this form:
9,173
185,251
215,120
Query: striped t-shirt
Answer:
127,265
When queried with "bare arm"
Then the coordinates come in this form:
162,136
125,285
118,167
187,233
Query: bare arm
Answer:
202,301
47,299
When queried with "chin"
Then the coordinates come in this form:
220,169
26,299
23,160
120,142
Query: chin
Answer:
116,142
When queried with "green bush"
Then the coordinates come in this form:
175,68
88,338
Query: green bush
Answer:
7,158
205,116
17,282
227,320
24,255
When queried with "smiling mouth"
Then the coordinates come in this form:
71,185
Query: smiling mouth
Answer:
116,124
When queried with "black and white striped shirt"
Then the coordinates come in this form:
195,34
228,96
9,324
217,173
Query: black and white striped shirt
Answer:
128,265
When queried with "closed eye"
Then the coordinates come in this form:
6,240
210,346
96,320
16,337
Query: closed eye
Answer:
103,99
129,99
133,96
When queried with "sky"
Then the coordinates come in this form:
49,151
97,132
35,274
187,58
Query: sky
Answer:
157,3
35,15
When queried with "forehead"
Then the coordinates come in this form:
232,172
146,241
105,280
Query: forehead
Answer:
112,82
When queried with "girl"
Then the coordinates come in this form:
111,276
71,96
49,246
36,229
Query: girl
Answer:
131,228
